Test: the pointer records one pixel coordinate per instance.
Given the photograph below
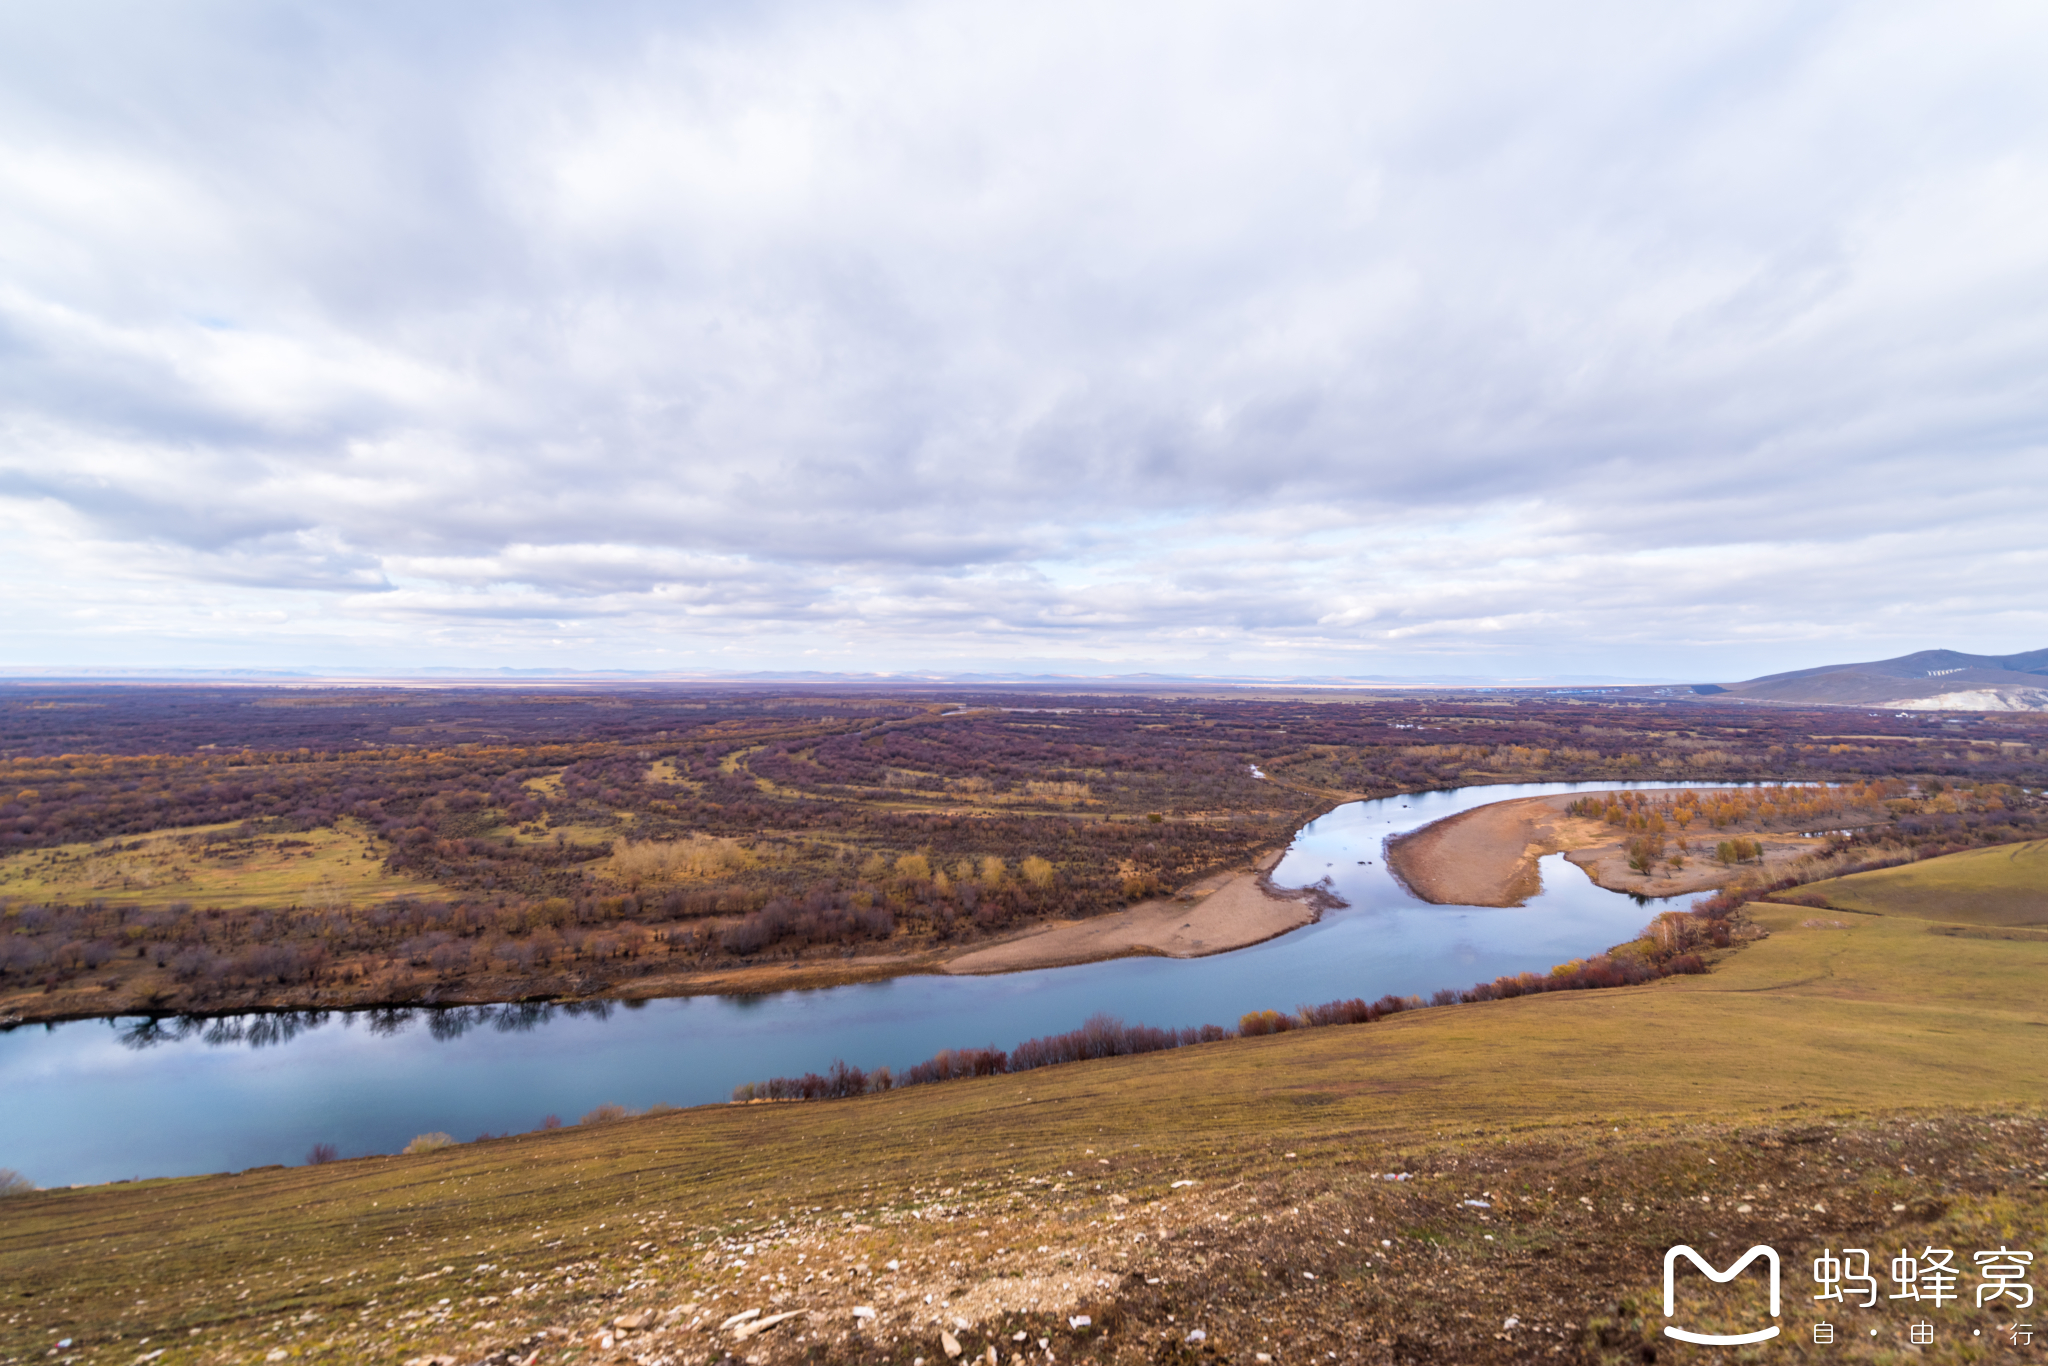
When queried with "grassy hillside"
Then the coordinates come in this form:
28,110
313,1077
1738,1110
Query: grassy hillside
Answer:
2004,885
1877,1084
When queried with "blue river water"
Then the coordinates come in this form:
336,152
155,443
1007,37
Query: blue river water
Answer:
100,1100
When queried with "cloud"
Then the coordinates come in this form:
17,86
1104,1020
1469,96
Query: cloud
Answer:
911,333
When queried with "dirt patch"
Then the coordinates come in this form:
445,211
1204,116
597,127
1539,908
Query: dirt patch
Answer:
1229,911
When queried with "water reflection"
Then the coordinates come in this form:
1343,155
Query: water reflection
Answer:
270,1028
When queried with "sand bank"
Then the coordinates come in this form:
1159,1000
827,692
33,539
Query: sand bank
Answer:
1487,856
1229,911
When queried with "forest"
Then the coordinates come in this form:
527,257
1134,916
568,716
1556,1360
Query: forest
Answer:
179,849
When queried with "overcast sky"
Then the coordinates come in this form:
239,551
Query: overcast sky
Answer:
1485,339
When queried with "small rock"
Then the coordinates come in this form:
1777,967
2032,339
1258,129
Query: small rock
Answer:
950,1343
991,1358
737,1319
1079,1321
863,1311
1118,1200
1197,1336
1178,1184
747,1330
634,1322
1512,1322
893,1264
1019,1335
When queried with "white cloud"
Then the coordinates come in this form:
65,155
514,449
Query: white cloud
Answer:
1654,341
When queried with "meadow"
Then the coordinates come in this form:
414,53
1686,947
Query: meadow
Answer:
2004,885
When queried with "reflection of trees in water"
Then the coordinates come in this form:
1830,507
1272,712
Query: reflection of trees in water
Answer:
257,1031
280,1027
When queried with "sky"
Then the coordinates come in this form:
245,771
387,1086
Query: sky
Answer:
1298,338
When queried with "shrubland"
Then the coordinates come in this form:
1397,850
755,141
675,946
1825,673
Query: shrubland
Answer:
169,849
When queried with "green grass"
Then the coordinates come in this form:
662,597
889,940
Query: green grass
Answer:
2003,885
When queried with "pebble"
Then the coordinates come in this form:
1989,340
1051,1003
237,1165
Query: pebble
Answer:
950,1343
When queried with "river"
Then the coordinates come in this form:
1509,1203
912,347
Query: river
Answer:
100,1100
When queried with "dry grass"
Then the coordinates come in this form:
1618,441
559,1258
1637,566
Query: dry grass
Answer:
1809,1025
2003,885
328,869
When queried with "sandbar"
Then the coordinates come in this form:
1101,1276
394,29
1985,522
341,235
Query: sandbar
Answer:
1487,856
1228,911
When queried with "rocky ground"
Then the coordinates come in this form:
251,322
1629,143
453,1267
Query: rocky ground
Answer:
1474,1247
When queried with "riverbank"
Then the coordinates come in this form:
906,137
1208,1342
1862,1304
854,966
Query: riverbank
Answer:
1488,856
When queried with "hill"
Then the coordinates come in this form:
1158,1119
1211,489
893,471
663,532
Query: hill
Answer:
2005,885
1929,680
1481,1183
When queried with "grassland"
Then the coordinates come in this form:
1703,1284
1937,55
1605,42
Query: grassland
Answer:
2005,885
1876,1085
218,865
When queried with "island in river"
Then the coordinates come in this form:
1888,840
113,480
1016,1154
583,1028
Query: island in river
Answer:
1488,856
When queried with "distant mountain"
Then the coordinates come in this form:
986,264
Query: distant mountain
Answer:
1931,680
